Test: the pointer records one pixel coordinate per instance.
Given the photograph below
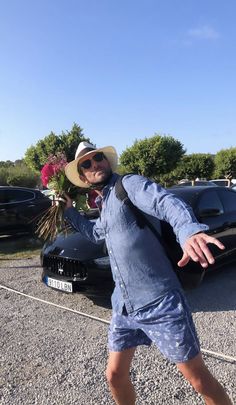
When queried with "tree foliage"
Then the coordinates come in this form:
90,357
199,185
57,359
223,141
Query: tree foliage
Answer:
18,174
67,142
225,163
3,176
195,165
152,157
8,163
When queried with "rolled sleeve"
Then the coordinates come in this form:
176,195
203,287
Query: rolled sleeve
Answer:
191,229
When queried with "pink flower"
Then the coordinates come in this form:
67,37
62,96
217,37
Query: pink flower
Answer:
53,168
53,177
47,173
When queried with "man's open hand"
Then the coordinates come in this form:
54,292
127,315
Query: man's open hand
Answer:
196,248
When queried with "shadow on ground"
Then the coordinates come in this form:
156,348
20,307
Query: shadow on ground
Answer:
99,292
10,245
216,293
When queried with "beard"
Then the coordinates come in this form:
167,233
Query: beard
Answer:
103,181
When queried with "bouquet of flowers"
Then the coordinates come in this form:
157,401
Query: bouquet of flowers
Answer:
53,177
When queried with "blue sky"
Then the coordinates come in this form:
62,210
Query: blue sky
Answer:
122,70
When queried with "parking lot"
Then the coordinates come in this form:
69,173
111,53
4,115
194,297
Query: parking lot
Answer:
57,355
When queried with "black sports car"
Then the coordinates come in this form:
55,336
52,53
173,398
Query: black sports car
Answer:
68,262
19,209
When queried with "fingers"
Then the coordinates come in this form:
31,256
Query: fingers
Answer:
184,260
204,254
196,248
66,196
203,240
215,241
68,200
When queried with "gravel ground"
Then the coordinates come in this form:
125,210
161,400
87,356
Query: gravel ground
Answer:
53,356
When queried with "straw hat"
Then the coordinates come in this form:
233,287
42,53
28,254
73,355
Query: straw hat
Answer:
85,149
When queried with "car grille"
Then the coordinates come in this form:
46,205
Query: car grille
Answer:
65,267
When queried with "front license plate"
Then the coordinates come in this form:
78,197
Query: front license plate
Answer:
59,285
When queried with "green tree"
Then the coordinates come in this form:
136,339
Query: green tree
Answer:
36,156
152,157
71,139
18,175
225,163
3,176
32,158
6,163
19,162
195,165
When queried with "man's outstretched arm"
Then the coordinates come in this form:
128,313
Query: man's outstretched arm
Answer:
91,230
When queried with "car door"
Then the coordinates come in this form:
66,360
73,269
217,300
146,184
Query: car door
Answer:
3,218
228,198
16,208
216,208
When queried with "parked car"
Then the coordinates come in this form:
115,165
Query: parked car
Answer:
222,182
184,183
49,193
233,187
18,208
72,261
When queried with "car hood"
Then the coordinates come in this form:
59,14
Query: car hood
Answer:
74,246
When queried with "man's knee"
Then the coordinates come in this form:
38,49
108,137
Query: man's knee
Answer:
200,378
118,367
200,384
198,375
115,377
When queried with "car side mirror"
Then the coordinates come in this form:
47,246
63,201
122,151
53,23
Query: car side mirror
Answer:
210,212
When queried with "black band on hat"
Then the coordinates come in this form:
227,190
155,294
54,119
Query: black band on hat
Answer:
84,151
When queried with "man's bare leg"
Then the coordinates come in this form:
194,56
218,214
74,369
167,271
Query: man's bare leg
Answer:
117,373
196,372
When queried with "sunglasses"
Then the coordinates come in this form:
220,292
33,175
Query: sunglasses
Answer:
98,157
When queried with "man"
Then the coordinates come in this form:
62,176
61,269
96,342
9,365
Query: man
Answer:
148,303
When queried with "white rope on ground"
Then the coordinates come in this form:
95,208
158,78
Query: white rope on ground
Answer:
55,305
209,352
218,355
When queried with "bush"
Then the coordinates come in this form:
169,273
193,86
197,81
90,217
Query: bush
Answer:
19,176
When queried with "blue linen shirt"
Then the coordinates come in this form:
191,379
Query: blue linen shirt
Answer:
141,270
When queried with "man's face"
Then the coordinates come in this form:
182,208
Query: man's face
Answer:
99,170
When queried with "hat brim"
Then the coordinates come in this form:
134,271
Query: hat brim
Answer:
71,168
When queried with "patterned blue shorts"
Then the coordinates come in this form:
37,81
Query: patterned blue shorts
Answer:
167,323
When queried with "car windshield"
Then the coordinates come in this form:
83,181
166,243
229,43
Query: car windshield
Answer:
195,183
188,194
221,182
